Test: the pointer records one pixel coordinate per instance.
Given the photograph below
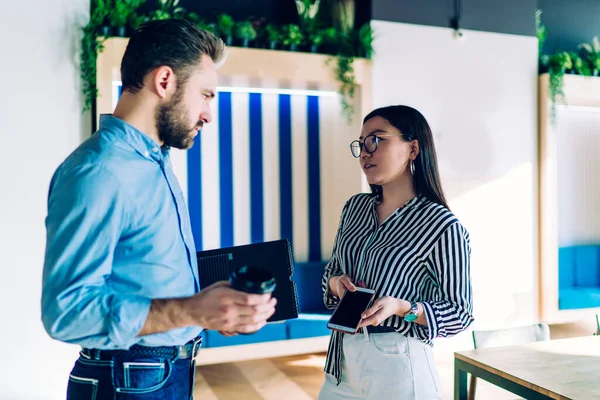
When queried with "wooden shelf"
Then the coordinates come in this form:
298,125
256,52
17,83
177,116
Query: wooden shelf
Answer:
579,91
260,68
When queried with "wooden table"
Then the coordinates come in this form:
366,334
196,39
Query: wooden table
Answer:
554,369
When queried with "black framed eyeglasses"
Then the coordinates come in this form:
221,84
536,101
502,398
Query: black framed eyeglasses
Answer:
369,143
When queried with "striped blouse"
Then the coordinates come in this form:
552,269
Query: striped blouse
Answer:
419,253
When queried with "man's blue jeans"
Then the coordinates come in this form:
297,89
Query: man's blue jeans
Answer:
130,377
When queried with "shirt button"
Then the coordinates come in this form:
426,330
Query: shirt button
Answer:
146,154
184,236
155,149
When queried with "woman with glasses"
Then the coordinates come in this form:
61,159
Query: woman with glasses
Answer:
402,241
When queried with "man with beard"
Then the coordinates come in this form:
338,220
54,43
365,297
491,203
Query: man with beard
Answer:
120,274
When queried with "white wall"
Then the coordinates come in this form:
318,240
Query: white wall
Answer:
479,96
40,123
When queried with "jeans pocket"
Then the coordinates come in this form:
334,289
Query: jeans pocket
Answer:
390,344
81,388
141,376
432,369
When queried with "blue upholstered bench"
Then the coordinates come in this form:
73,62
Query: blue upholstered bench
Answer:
311,322
578,277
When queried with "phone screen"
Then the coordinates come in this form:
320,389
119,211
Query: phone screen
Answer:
350,308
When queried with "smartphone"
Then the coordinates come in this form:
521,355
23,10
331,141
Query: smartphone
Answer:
347,315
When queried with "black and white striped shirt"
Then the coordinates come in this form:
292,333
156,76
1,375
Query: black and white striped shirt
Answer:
419,253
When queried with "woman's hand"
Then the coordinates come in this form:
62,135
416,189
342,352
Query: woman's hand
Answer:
339,284
382,309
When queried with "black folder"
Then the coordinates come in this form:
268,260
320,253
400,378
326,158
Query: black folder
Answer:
217,264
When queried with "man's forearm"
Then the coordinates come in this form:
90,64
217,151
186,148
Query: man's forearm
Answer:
165,315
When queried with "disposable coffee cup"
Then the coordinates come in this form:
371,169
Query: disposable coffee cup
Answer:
252,279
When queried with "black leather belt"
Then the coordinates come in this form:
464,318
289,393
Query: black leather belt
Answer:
188,350
378,329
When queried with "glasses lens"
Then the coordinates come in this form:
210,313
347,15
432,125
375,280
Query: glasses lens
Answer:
355,148
371,143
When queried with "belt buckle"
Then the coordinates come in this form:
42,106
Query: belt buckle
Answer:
187,351
183,352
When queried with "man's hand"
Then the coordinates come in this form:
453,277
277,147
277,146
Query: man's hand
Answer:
218,307
339,284
221,308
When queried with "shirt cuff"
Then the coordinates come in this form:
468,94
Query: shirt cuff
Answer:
432,329
127,318
331,301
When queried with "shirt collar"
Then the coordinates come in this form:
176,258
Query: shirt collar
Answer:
141,143
376,201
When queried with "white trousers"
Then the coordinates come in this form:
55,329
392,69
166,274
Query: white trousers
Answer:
384,366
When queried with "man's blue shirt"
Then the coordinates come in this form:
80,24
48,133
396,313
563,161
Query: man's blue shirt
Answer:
118,236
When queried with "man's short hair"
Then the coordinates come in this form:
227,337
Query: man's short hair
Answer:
175,43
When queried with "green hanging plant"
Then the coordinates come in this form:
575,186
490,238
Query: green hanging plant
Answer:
91,46
344,73
558,64
541,31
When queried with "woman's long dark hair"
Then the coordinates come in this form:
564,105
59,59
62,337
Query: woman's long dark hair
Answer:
413,126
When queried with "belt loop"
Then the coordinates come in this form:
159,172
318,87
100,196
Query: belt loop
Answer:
177,354
366,334
96,353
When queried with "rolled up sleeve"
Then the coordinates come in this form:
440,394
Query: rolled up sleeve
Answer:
333,267
452,313
87,215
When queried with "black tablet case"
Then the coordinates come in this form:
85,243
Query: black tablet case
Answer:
217,264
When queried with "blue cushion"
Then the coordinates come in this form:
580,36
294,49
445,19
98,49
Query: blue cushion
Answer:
566,267
307,277
577,298
578,277
587,266
268,333
308,325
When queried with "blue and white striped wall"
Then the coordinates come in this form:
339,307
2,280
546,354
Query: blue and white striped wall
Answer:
266,168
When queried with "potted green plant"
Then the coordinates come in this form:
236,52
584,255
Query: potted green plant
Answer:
119,15
307,13
122,14
292,36
167,9
316,40
273,36
245,32
343,12
365,36
591,54
193,17
225,25
580,66
207,26
330,41
99,18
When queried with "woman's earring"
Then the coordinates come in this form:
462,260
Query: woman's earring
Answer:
412,167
